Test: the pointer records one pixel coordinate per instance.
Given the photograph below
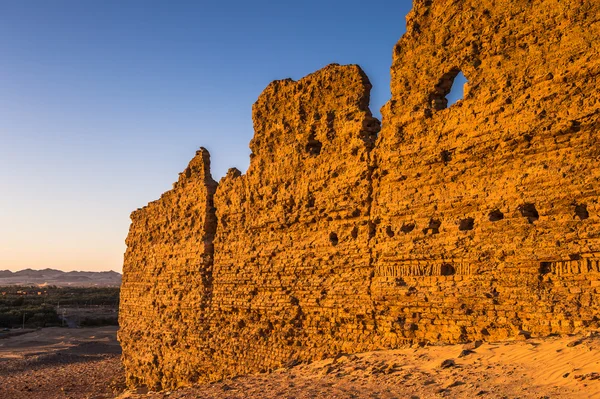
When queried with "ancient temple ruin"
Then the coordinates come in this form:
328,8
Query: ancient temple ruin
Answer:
440,224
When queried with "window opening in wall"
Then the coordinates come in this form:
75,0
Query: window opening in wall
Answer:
449,90
457,92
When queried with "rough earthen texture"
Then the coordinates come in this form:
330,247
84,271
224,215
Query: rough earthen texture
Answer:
487,212
479,221
292,260
167,280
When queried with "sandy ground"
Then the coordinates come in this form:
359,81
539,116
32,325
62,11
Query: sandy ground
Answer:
84,363
567,367
61,363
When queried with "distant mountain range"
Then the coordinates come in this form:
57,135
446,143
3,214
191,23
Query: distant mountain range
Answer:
59,278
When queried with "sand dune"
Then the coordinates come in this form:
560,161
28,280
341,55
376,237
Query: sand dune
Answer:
84,363
559,367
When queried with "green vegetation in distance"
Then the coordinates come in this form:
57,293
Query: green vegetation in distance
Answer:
33,307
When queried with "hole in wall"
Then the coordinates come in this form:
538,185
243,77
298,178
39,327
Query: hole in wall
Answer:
390,233
447,270
545,267
457,92
466,224
449,90
575,126
528,211
581,211
496,215
313,146
434,227
354,233
333,238
407,228
446,156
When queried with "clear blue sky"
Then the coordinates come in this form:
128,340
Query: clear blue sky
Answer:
103,103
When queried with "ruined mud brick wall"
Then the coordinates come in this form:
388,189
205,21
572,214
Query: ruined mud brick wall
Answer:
292,248
475,221
167,279
487,211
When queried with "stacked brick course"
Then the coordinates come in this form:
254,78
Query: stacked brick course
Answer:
477,221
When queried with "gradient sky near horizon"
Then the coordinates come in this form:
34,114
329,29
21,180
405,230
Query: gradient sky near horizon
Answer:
103,103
